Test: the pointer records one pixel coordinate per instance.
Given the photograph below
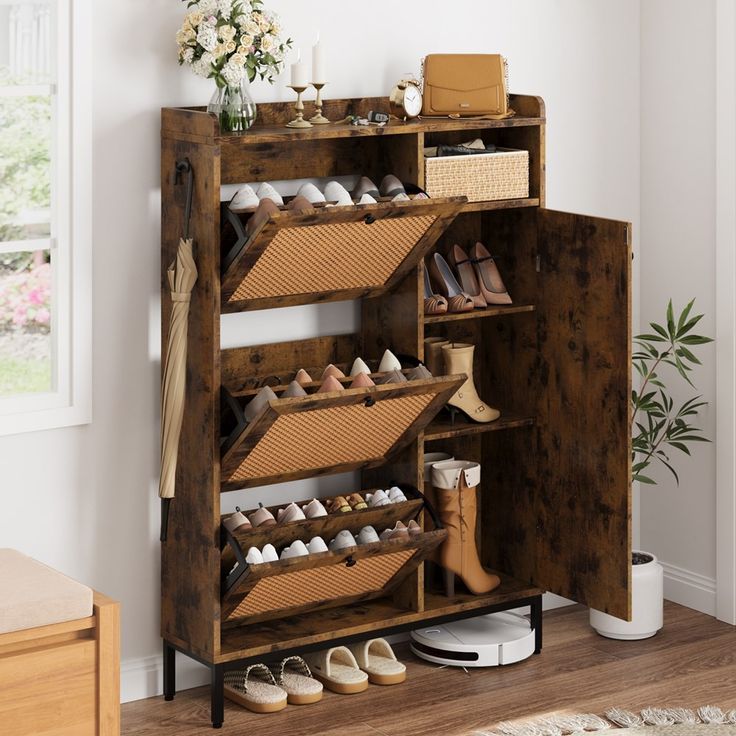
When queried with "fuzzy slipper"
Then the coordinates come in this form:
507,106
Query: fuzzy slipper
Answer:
294,676
338,671
255,689
376,657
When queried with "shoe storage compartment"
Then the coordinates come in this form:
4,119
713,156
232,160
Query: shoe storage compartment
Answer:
555,362
331,432
332,253
254,593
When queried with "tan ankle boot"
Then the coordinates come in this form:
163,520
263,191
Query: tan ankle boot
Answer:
456,486
433,358
459,359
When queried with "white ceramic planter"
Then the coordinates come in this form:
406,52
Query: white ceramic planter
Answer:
647,606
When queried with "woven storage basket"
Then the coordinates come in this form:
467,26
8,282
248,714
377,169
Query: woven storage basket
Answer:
481,178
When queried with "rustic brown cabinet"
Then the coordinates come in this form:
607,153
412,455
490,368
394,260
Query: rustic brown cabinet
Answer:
555,499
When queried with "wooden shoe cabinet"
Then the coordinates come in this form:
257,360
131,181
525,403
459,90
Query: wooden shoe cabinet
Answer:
555,504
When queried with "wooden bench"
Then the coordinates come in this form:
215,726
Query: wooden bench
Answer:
60,679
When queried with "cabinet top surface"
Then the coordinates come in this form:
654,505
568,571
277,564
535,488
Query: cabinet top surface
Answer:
195,124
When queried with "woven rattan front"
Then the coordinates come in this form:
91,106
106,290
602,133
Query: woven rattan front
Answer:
323,438
332,257
480,178
369,575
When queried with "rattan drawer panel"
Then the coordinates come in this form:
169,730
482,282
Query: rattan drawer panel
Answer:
306,587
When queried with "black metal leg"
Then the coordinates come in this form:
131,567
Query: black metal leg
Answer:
218,695
536,622
169,671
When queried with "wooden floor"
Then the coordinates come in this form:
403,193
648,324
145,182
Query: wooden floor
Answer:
692,662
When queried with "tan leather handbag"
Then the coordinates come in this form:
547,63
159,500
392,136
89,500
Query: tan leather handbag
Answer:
465,85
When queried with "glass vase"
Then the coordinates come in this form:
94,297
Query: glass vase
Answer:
234,107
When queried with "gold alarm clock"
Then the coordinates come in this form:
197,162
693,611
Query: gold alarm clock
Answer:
406,99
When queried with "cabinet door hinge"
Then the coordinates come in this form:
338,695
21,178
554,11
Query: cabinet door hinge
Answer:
539,264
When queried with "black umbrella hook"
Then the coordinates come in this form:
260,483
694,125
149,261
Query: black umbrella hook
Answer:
185,167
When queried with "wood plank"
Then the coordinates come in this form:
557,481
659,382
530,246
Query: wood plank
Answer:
107,613
496,311
501,204
584,442
441,428
190,562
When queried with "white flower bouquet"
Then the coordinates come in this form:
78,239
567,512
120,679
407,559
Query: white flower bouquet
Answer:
231,41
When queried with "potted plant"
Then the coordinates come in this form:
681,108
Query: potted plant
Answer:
657,428
232,42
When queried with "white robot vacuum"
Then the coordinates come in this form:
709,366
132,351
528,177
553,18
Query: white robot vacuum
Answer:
484,641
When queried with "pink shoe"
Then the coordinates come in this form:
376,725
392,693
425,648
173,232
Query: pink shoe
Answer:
332,370
330,384
362,380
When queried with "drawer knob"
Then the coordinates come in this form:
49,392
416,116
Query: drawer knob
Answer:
369,401
369,219
350,562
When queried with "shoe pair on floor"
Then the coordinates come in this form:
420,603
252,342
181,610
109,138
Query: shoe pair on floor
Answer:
299,681
480,284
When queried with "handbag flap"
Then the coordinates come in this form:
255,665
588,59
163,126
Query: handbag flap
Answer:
464,72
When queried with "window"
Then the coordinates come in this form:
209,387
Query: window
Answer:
44,215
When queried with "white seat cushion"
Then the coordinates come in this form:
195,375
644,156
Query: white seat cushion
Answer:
32,594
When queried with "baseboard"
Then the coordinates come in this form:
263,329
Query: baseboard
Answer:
143,678
689,589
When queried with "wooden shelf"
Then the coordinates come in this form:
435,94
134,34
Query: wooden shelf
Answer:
500,311
500,204
441,427
308,629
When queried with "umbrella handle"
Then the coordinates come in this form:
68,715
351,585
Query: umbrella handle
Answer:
165,505
185,167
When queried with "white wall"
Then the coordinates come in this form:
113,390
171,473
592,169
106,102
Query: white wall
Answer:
678,102
83,499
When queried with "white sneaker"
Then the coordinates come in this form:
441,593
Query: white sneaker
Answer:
401,197
266,191
296,549
359,366
343,540
336,192
379,498
396,495
311,193
367,199
291,513
314,509
254,556
316,545
244,199
389,362
269,553
367,535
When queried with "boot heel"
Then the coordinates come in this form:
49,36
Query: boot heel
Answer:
449,584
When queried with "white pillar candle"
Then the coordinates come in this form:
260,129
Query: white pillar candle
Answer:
318,64
299,74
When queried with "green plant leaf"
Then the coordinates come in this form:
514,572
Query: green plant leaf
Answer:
683,317
695,340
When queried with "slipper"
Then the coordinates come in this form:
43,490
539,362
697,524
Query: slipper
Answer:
255,689
376,658
338,671
294,676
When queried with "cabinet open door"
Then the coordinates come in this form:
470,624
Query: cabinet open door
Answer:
583,499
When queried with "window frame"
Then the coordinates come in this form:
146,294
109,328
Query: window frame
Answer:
69,402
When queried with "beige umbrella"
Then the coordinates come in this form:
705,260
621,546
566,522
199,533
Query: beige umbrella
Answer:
182,275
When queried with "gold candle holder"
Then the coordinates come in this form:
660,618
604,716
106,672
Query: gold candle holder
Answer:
299,121
319,118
